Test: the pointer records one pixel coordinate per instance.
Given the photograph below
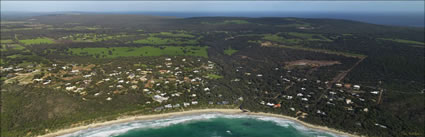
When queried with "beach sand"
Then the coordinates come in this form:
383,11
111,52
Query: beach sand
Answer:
190,112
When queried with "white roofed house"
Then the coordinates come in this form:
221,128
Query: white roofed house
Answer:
185,104
356,87
194,102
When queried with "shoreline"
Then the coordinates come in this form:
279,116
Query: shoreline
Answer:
126,119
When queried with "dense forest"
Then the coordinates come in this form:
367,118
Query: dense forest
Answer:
65,70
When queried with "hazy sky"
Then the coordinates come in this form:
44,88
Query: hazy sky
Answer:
213,6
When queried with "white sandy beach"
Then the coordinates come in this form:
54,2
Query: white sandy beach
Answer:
190,112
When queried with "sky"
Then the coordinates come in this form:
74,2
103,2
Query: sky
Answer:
213,6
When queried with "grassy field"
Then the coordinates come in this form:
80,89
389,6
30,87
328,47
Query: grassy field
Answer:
276,38
141,51
324,51
404,41
36,41
230,51
310,37
6,41
169,34
91,37
163,41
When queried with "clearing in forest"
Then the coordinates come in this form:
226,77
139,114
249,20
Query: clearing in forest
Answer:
230,51
163,41
37,41
404,41
114,52
312,63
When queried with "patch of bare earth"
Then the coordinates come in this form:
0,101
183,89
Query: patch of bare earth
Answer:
311,63
266,44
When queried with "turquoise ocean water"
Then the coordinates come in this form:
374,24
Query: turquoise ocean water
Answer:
206,125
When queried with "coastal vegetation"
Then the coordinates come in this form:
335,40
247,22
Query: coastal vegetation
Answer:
64,71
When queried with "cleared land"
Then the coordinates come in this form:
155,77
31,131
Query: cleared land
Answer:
404,41
141,51
6,41
162,41
36,41
230,51
312,63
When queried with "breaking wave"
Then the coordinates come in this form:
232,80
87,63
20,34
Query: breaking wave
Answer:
117,129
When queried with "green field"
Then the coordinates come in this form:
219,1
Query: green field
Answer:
4,47
276,38
36,41
403,41
324,51
163,41
230,51
169,34
6,41
91,37
310,37
140,51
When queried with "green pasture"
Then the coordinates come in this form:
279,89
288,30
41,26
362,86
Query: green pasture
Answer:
141,51
36,41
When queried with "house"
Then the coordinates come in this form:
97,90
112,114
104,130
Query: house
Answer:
210,103
356,87
259,75
38,79
168,106
304,99
277,106
159,98
176,106
96,94
299,94
348,101
225,102
186,104
338,85
375,92
158,109
143,79
109,98
131,76
47,82
194,102
206,89
70,88
270,104
75,71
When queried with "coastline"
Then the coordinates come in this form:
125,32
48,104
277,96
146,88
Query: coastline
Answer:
191,112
